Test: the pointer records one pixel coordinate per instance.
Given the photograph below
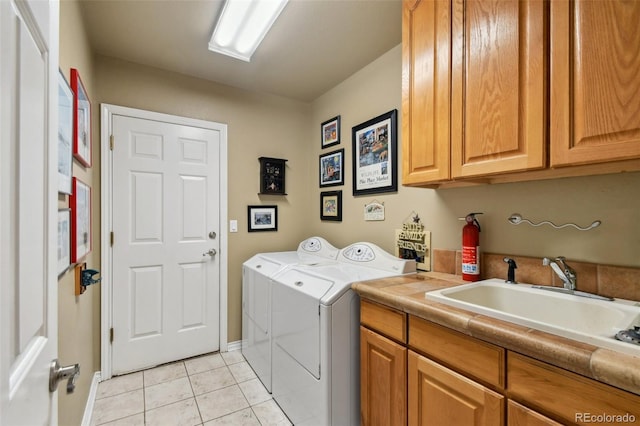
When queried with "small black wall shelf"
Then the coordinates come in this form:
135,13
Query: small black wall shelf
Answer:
272,171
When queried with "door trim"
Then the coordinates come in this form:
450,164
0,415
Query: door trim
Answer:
107,112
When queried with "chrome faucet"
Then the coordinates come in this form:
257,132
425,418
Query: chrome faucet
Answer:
564,271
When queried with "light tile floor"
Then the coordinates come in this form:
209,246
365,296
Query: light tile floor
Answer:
214,389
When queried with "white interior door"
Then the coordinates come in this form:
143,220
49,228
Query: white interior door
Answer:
28,210
166,224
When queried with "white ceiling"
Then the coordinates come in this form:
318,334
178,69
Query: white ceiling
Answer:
313,46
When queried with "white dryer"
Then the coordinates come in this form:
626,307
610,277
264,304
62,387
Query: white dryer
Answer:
315,326
256,298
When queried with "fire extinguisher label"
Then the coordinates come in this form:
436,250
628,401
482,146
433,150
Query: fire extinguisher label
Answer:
470,260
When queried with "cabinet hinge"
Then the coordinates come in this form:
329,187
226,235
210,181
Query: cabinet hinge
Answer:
111,335
111,237
111,142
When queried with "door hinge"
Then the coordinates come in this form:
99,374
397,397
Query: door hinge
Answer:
111,335
111,142
111,237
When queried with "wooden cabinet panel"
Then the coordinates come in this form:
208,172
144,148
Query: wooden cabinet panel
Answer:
388,321
519,415
564,394
383,375
439,396
478,359
426,96
498,87
595,81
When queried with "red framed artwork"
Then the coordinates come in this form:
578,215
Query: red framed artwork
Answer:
80,203
81,120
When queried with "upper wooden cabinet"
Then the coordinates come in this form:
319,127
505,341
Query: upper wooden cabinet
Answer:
426,91
595,81
508,90
473,88
498,87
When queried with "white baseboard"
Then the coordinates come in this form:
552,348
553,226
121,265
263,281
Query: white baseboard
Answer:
234,346
91,399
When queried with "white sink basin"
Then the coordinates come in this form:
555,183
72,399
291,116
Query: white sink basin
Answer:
579,318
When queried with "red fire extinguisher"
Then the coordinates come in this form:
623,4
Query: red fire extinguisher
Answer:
471,248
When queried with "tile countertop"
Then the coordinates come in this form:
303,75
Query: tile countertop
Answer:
406,293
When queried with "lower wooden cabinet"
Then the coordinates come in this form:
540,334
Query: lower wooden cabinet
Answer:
427,374
439,396
383,375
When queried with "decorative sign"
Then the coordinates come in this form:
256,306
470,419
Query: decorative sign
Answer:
413,242
374,211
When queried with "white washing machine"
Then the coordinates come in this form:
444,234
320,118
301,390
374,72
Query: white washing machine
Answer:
316,343
256,298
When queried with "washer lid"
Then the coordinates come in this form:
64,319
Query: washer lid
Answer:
299,280
269,264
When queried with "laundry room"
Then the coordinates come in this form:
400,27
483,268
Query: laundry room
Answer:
255,124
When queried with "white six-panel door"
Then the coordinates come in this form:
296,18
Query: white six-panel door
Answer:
166,225
28,210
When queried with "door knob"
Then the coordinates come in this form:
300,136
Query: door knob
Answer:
58,373
211,252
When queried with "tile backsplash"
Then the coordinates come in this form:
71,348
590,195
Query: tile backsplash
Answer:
605,280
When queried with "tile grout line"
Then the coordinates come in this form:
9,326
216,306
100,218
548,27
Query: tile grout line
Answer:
194,394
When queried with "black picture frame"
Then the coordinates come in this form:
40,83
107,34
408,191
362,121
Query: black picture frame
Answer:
262,218
331,205
331,168
330,132
375,155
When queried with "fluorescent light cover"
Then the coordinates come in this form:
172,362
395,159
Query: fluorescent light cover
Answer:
242,26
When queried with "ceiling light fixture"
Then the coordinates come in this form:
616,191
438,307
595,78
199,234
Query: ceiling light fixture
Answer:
242,26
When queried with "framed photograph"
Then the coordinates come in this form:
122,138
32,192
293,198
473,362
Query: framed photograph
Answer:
331,205
331,168
64,240
81,120
80,202
65,134
330,132
375,155
263,218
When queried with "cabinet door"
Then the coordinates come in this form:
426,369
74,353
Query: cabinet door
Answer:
383,375
498,87
441,397
595,81
426,91
519,415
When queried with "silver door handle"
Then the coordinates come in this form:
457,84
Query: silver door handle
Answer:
58,373
211,252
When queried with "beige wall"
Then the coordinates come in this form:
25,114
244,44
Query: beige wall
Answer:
258,125
79,316
613,199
